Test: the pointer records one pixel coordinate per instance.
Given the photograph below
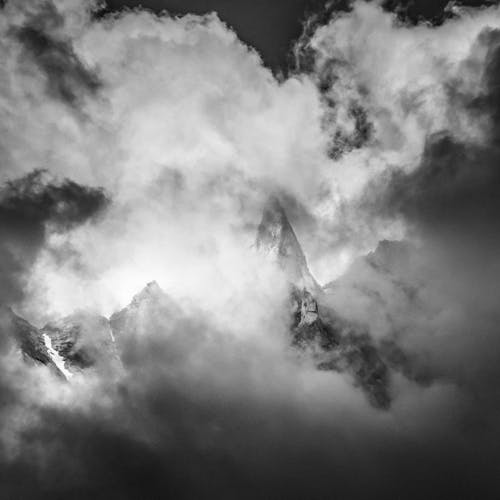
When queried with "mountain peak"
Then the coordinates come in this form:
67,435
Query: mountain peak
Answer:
151,291
151,301
276,237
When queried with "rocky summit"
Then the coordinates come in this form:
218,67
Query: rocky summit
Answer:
85,340
147,310
332,342
276,237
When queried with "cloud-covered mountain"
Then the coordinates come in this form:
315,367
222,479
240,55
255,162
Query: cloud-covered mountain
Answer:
330,340
26,338
351,348
277,238
84,340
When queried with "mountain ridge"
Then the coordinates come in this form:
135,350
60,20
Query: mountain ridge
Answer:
85,340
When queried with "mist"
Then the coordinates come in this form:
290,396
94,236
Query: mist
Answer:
138,147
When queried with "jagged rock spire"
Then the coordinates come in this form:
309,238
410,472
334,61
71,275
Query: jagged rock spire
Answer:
151,291
333,344
276,237
149,305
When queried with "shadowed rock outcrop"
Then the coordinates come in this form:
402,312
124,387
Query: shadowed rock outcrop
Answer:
315,329
28,339
83,340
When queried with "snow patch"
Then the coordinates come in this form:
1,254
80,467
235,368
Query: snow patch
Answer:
56,357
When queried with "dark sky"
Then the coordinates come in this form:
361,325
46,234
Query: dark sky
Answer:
271,26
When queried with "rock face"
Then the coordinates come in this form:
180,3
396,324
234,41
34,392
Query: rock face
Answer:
276,237
147,310
83,340
317,330
336,345
28,339
387,286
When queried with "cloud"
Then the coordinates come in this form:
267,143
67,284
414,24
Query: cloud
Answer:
67,77
407,96
454,189
31,207
187,133
186,116
436,299
200,414
450,203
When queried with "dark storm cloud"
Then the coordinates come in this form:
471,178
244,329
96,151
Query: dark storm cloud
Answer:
68,78
176,432
456,188
29,207
451,204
